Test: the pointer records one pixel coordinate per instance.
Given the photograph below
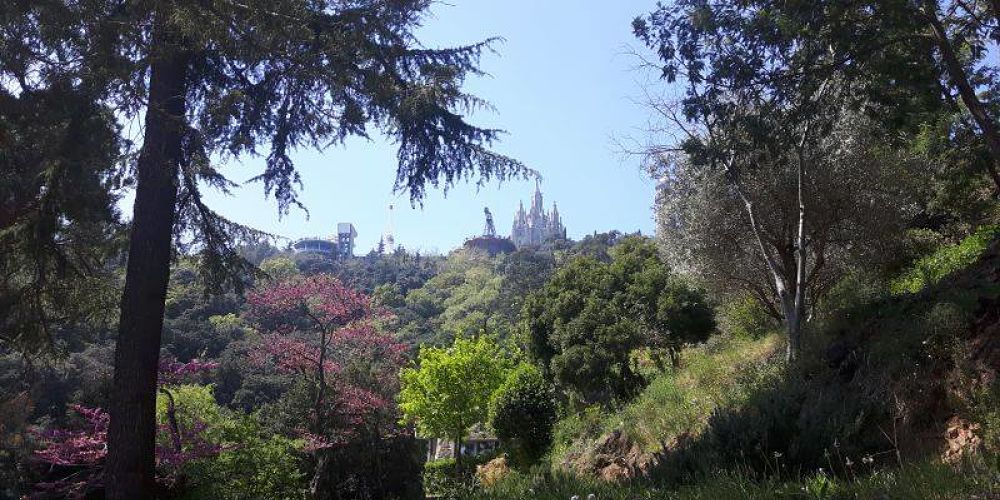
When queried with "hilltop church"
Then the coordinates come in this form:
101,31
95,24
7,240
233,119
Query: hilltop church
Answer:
536,226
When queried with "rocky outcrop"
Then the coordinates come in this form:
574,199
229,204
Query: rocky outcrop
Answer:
961,439
613,458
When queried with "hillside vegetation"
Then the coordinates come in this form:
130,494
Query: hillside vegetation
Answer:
898,396
815,314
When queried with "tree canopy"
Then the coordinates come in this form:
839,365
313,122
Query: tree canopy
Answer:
450,389
586,323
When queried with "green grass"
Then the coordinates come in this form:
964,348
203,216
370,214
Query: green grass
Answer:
723,372
977,478
945,260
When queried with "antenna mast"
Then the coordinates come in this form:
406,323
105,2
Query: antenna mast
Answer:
387,239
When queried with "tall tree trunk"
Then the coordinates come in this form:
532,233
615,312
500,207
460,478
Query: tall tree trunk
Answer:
319,485
959,78
786,298
798,303
132,431
791,301
172,424
318,489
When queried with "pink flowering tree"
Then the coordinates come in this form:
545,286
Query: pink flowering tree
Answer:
183,444
75,457
326,335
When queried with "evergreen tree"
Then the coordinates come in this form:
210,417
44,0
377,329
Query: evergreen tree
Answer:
59,227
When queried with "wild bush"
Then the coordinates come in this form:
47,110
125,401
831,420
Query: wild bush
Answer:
522,413
743,316
251,464
450,480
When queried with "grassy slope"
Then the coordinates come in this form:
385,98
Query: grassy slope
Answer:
922,481
721,373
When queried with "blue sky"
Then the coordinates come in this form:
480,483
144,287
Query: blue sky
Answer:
564,89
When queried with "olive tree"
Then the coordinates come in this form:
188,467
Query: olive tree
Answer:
782,236
766,125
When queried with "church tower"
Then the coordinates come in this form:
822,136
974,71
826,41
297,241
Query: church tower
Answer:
536,227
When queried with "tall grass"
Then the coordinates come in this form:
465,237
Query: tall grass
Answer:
720,374
976,478
944,261
723,372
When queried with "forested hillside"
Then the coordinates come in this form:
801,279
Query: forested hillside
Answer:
816,316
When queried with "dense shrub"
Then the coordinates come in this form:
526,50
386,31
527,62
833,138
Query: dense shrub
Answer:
252,464
447,480
441,476
522,413
255,466
372,466
791,426
743,316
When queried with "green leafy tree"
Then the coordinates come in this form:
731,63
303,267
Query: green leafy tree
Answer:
785,121
674,312
581,334
221,79
589,319
904,60
450,388
463,298
188,332
523,272
401,268
597,245
251,463
523,412
279,269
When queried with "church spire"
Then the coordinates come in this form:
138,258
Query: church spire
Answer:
536,226
536,204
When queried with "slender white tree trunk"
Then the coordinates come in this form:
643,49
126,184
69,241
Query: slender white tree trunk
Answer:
794,319
792,302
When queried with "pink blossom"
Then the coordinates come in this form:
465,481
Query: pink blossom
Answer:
308,320
289,355
321,298
82,452
85,446
173,372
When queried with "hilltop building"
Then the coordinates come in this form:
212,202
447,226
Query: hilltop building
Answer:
345,239
536,226
342,246
489,242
